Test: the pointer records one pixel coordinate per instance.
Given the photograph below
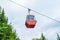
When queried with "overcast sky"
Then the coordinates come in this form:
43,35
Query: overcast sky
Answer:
17,16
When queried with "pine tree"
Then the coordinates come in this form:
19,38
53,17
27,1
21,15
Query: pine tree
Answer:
58,38
6,32
41,38
0,9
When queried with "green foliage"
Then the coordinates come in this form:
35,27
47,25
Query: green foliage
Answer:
41,38
58,38
6,32
0,9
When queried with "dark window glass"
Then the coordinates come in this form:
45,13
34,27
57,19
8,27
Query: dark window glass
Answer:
30,17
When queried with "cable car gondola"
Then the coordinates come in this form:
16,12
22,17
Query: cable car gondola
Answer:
30,21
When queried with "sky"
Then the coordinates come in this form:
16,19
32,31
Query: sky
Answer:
17,16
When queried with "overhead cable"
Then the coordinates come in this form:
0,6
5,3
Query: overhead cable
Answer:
34,11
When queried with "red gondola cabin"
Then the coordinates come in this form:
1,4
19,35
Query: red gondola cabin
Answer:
30,21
